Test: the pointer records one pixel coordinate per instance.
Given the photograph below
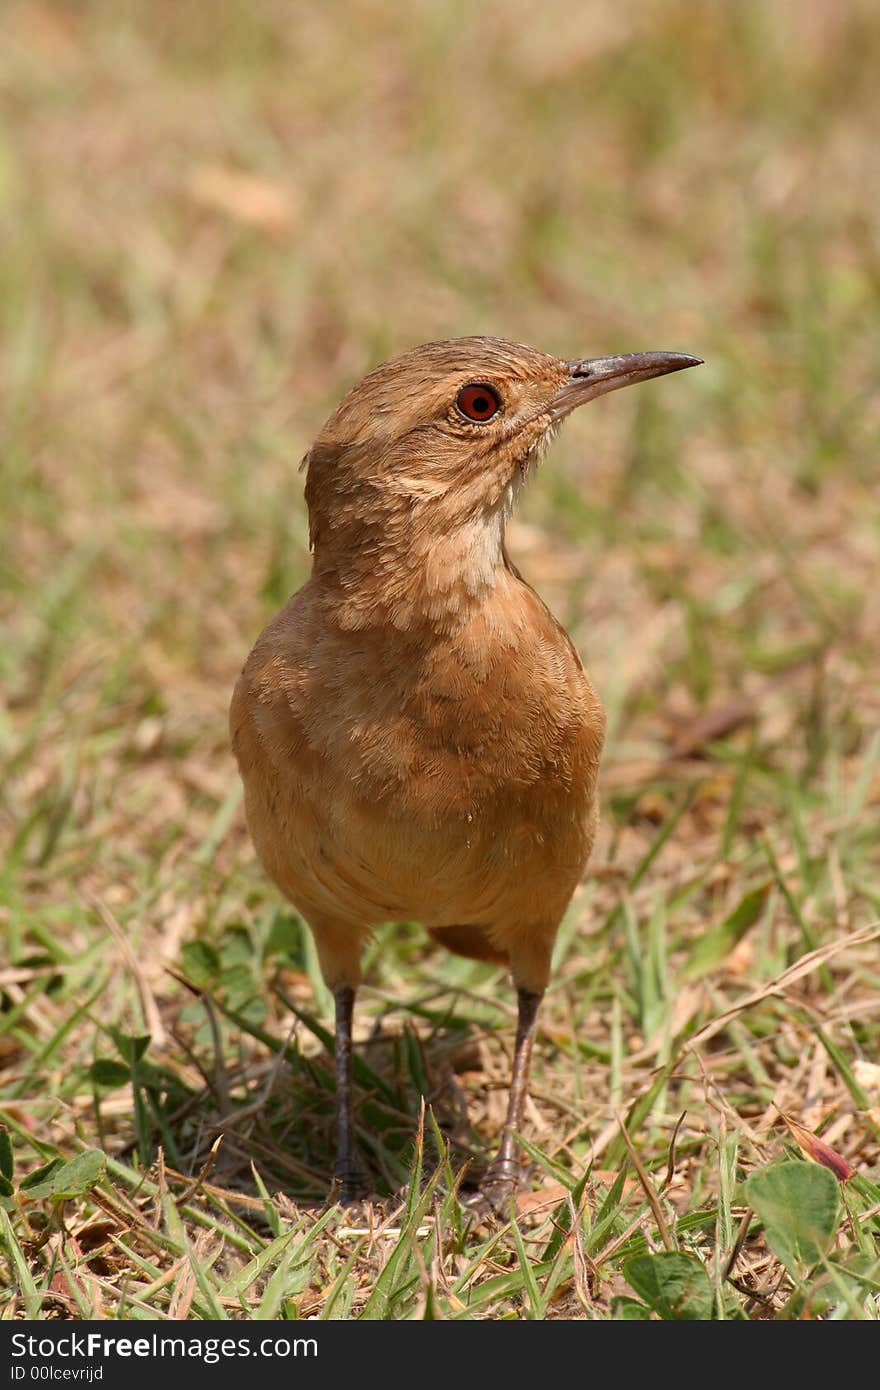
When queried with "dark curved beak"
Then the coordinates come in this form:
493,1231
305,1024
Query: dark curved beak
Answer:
594,376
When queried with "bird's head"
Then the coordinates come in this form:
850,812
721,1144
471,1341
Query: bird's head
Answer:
434,443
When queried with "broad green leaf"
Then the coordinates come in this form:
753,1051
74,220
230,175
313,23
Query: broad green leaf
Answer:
41,1175
717,944
799,1204
106,1072
131,1049
630,1310
674,1286
201,962
70,1179
285,935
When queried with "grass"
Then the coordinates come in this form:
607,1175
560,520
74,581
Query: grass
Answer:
207,232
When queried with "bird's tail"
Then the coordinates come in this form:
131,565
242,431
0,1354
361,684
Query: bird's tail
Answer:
469,941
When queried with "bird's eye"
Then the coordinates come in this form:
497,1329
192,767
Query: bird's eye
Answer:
478,402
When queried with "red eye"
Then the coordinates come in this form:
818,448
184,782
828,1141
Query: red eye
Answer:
478,402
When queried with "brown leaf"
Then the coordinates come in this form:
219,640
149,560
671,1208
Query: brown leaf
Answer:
689,738
867,1074
741,958
528,1202
259,202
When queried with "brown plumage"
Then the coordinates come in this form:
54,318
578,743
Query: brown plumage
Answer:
415,732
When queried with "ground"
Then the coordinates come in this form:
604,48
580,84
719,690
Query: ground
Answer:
208,232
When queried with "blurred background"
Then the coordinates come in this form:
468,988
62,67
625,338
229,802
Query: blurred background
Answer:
213,220
212,226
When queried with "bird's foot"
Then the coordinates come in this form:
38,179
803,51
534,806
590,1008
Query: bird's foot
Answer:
498,1186
348,1194
351,1183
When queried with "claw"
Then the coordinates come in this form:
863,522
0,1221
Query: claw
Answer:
350,1185
495,1191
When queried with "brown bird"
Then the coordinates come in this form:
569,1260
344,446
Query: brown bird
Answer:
416,735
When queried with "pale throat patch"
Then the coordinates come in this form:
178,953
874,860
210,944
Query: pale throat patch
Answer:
478,547
468,558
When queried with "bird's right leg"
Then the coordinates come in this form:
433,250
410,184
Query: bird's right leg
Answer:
348,1167
339,950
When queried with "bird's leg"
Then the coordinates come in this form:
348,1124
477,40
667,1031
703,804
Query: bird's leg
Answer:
503,1171
348,1169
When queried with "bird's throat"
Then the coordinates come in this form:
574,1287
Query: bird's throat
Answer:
419,575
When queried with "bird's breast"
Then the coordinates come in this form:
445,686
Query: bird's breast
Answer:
379,767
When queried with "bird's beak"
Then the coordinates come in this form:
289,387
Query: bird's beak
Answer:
593,376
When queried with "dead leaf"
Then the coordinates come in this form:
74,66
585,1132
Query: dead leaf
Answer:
741,958
811,961
259,202
529,1202
867,1074
715,723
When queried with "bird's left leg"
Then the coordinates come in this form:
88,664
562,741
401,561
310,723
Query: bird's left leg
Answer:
503,1172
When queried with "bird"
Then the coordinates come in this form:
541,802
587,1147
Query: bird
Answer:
415,732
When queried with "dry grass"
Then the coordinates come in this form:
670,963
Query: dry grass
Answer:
208,230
